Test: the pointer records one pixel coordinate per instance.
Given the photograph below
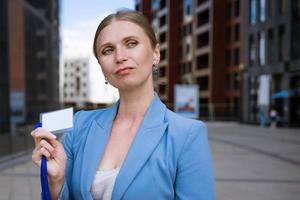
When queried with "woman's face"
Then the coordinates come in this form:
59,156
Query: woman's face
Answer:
126,56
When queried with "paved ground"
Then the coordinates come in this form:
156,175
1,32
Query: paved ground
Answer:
251,163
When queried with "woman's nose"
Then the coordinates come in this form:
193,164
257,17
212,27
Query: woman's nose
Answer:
120,55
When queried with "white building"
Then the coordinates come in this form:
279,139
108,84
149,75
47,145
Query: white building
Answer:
75,81
83,82
81,78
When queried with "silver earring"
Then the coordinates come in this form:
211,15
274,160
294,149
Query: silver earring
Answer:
106,82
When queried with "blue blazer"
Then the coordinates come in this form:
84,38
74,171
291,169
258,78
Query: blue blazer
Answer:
168,159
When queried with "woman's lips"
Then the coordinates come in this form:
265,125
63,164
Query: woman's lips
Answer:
124,70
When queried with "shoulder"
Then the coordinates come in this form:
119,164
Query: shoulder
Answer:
185,132
183,124
83,117
82,121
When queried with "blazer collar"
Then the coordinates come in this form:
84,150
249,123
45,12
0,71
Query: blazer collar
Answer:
148,136
107,116
153,116
98,135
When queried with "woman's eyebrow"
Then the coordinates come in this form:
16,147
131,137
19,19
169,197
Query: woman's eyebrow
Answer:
124,39
130,37
105,44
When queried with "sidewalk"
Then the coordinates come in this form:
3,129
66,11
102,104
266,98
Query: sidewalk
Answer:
251,163
254,163
20,180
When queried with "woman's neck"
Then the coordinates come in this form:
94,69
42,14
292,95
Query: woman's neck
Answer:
134,104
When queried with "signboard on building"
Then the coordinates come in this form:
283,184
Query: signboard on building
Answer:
186,100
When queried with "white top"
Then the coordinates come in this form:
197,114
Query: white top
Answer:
103,184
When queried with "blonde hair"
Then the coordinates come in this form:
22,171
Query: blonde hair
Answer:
130,16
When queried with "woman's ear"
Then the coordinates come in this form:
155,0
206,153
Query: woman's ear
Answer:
156,53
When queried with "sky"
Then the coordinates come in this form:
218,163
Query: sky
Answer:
78,22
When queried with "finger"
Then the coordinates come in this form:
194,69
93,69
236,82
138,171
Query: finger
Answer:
36,157
38,153
40,133
45,152
46,145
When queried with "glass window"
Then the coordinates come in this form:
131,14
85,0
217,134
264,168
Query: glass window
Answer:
271,8
296,11
237,8
237,32
203,18
162,71
228,58
203,83
281,33
252,53
163,4
162,89
228,34
262,48
296,29
227,82
262,9
236,81
228,10
202,61
203,40
162,54
271,52
187,4
155,4
199,2
137,6
236,56
282,7
187,48
77,85
162,37
187,29
162,20
252,11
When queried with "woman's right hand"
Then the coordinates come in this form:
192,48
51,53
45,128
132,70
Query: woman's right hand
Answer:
47,145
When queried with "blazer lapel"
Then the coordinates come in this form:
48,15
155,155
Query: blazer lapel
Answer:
97,138
148,136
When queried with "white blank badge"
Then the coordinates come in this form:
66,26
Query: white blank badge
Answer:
57,121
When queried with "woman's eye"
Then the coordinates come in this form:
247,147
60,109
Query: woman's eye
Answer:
132,43
107,51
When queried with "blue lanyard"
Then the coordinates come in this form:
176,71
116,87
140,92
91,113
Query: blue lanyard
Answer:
44,174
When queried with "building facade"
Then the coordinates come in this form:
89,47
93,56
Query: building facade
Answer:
76,73
30,60
201,43
272,77
42,56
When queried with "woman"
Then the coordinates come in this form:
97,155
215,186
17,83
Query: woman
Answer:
136,149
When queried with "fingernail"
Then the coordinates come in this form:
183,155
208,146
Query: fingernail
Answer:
54,136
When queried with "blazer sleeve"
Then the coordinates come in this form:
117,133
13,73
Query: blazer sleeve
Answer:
194,177
68,146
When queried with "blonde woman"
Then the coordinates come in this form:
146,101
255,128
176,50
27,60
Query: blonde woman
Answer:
136,149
